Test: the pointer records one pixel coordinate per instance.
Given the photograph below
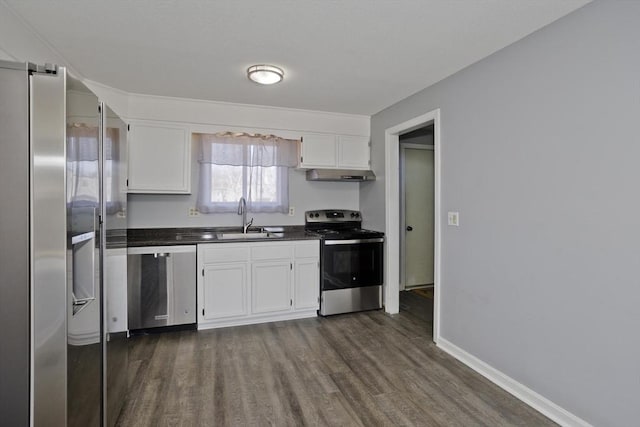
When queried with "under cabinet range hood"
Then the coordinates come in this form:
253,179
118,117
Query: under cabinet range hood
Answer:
346,175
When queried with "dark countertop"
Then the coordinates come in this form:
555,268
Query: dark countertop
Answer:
192,236
116,239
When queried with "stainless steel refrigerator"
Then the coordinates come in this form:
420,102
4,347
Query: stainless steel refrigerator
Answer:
55,346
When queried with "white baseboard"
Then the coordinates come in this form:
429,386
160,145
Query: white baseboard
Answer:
522,392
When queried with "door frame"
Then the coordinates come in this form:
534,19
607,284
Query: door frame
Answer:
403,204
392,213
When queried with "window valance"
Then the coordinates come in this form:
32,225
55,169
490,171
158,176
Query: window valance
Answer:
244,149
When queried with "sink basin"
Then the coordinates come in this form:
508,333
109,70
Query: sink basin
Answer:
196,236
248,235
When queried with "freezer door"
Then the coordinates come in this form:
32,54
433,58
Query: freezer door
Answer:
48,250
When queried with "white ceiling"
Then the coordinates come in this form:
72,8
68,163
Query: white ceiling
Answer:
350,56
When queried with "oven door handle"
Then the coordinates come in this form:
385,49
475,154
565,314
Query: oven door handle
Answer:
353,241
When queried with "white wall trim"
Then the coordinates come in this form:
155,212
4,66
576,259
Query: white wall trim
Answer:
392,214
204,112
204,115
160,98
522,392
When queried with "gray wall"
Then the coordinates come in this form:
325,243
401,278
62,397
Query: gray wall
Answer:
146,210
541,157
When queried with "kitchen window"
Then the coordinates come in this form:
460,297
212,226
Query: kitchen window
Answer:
83,168
253,166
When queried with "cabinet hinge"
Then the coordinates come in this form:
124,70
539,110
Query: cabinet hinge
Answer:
127,182
203,272
290,266
203,311
301,159
99,109
291,302
128,127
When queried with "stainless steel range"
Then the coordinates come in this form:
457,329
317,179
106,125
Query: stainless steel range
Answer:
351,260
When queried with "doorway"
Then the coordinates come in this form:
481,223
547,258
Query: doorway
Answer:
416,209
417,224
392,213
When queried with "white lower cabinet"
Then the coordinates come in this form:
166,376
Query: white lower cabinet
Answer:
225,290
256,282
307,276
270,286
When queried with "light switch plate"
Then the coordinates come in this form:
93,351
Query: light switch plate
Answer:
453,218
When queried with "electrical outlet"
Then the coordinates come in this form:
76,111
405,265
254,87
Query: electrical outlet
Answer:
193,212
453,218
292,211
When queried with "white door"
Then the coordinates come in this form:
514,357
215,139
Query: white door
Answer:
418,180
271,286
307,287
225,290
318,151
353,152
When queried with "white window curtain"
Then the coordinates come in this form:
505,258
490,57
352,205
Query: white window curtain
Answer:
253,166
83,178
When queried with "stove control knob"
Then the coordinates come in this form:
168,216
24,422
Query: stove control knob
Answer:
357,214
317,214
353,215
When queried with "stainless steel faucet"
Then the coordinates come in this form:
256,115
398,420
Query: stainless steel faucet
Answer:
242,210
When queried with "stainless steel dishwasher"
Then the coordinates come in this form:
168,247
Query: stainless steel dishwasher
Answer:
161,286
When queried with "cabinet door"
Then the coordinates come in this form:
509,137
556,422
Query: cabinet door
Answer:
224,290
159,159
318,151
116,284
353,152
307,284
271,286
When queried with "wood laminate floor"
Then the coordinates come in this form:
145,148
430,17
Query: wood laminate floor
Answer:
361,369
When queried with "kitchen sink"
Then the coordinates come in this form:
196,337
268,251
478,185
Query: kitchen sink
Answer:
249,235
234,233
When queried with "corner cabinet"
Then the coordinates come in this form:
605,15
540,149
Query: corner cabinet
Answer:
159,159
327,151
257,282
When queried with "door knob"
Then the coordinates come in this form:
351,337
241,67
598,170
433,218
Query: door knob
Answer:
409,228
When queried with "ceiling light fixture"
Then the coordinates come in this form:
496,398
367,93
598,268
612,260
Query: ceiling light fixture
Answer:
265,74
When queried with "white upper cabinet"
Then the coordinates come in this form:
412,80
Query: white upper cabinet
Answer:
318,151
159,159
327,151
353,152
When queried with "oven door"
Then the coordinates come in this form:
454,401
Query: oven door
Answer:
352,263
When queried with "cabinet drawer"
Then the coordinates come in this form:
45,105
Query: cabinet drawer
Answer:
307,250
264,252
225,252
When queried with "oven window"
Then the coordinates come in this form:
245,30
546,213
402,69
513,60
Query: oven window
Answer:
352,265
